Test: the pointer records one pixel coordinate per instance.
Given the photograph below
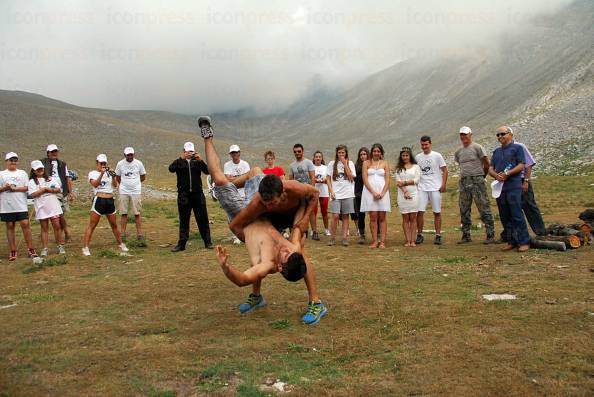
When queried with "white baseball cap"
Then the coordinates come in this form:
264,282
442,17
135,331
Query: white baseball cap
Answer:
36,164
102,158
189,147
10,155
496,187
234,148
465,130
129,150
51,147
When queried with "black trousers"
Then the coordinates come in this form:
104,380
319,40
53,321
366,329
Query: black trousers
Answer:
186,202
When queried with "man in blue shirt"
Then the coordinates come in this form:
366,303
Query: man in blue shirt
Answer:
506,167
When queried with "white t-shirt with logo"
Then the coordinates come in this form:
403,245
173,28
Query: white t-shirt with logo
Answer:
230,168
105,185
130,173
13,201
342,187
430,164
320,173
54,174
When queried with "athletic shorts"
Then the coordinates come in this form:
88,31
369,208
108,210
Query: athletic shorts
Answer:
342,206
231,200
14,216
434,197
103,206
130,201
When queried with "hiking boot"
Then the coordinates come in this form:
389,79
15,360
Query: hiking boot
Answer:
315,311
490,240
332,241
61,250
252,303
345,242
12,256
438,240
204,123
44,252
315,236
419,239
86,251
465,239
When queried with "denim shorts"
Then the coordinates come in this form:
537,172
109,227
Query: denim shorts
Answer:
231,200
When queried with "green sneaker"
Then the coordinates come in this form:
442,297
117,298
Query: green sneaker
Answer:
253,302
315,311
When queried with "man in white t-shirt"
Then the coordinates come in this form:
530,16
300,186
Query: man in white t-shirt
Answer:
434,176
13,204
130,174
234,168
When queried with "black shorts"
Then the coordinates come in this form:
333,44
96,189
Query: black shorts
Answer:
14,216
103,206
280,221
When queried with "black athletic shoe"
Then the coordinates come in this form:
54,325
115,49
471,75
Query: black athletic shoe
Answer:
204,123
208,246
438,240
179,247
419,239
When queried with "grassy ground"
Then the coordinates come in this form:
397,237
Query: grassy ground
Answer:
401,321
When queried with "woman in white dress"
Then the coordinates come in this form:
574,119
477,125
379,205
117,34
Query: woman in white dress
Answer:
407,179
48,209
375,198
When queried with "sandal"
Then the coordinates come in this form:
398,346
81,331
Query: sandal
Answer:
373,244
381,245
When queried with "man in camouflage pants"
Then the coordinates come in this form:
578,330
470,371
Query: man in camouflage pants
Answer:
474,165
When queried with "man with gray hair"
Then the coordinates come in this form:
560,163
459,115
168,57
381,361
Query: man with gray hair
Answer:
507,164
474,166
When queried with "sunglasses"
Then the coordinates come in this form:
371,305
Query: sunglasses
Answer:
499,135
297,151
13,159
233,152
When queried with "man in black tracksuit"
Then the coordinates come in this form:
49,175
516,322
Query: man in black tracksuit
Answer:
188,168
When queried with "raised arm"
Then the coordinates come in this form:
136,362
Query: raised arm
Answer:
241,279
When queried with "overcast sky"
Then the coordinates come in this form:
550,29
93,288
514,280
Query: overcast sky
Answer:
206,56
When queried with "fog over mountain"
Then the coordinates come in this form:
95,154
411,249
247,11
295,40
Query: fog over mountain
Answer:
221,56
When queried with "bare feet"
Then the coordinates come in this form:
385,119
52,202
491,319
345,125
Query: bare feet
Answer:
381,245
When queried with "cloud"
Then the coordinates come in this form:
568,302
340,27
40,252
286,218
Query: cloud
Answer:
205,56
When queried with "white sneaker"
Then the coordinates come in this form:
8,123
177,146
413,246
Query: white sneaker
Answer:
327,232
236,241
61,250
86,251
44,252
123,247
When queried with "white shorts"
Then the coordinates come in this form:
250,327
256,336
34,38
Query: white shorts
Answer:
434,197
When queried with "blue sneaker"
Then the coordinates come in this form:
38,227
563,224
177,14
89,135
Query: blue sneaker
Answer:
315,311
253,302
